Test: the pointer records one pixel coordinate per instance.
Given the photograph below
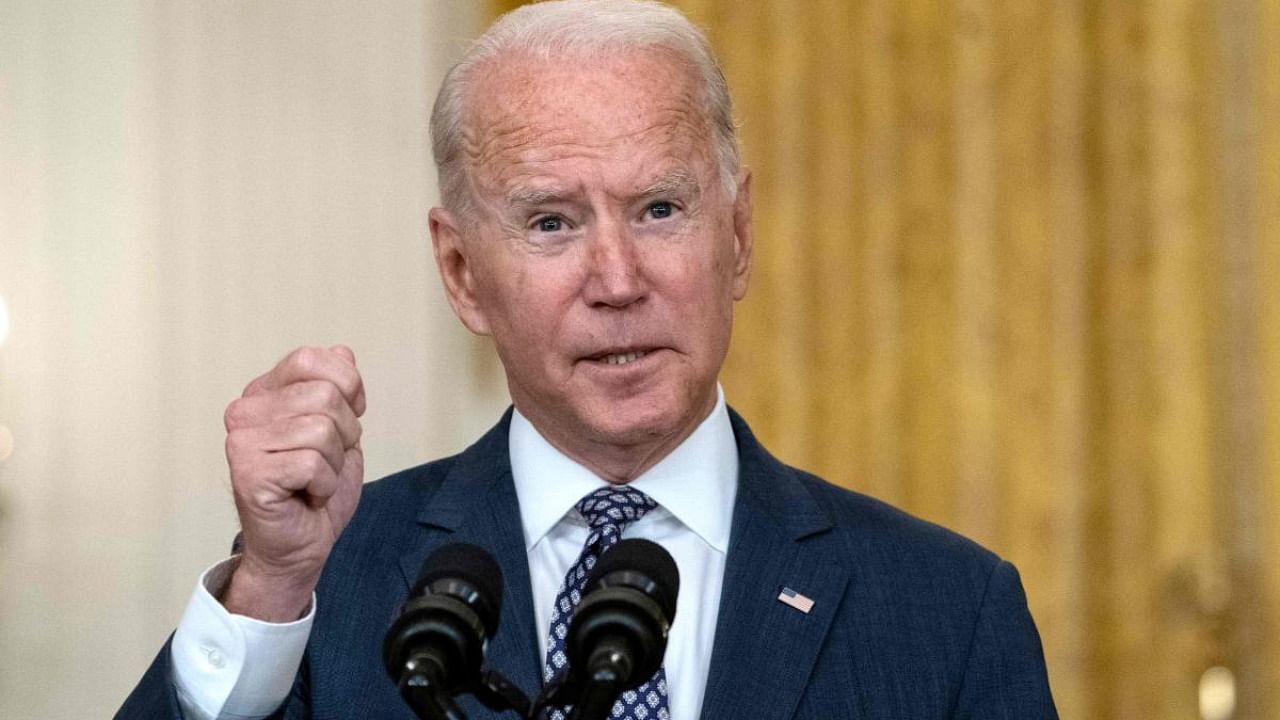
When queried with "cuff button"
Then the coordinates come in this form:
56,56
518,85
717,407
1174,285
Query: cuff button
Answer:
215,658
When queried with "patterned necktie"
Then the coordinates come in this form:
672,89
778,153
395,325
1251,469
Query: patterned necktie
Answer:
607,510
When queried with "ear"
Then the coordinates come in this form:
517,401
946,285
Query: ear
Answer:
742,238
455,267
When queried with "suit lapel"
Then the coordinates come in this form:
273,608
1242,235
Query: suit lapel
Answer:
764,649
476,503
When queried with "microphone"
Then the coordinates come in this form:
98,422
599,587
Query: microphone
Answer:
618,634
434,649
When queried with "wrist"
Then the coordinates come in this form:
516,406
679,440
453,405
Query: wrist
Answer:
273,597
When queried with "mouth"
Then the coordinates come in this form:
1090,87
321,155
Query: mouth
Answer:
619,357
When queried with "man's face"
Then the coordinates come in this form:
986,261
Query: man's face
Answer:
605,254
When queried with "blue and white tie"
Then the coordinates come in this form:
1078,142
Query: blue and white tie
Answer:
607,511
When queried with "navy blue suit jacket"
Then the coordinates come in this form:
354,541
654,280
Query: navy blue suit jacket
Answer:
909,621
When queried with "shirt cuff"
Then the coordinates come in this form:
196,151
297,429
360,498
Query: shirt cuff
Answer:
233,666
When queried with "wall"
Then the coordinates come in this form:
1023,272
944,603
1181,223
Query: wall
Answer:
188,190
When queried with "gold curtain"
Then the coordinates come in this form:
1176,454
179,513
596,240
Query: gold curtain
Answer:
1018,272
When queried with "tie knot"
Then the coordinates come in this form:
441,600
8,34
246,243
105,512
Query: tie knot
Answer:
618,505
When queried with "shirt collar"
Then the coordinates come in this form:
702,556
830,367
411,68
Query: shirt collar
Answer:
697,482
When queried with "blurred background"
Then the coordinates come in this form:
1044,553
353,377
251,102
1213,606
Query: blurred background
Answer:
1017,271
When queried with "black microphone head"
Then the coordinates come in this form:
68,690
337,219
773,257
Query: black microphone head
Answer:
620,629
443,627
472,565
645,565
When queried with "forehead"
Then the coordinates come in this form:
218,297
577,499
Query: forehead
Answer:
624,105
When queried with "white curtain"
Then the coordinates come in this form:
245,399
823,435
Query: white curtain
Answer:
188,190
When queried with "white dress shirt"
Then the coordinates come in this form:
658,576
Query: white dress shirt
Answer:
694,487
232,666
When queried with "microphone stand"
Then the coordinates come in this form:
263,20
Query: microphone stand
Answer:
499,694
607,667
592,696
421,689
597,700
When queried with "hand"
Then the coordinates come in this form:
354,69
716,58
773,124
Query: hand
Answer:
293,447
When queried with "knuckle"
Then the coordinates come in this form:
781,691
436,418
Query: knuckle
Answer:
261,497
312,464
231,416
329,395
234,444
323,484
347,385
318,429
255,385
305,357
240,461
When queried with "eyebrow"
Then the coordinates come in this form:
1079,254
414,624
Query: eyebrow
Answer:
672,183
529,197
675,182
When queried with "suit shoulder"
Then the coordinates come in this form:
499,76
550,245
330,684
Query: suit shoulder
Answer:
854,528
413,481
404,492
872,528
393,501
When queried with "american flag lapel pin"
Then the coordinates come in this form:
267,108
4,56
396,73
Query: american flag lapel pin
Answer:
791,598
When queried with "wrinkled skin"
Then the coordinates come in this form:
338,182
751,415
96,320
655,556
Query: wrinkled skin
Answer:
293,448
600,227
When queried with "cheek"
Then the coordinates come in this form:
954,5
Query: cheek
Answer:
701,296
531,303
716,272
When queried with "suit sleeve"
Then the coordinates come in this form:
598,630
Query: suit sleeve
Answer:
1005,678
219,665
154,696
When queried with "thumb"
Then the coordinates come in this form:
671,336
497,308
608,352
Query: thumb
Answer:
345,353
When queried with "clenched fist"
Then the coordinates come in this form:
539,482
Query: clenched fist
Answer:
293,447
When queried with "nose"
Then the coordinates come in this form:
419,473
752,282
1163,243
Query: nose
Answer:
614,274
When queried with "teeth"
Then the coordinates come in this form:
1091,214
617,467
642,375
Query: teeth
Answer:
623,358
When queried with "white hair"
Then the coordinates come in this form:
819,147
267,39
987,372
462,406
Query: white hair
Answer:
576,28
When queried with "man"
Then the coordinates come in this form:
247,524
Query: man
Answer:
596,223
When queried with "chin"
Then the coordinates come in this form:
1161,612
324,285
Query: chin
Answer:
618,429
637,421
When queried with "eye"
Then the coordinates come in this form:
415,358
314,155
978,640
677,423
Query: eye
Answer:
549,224
661,209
